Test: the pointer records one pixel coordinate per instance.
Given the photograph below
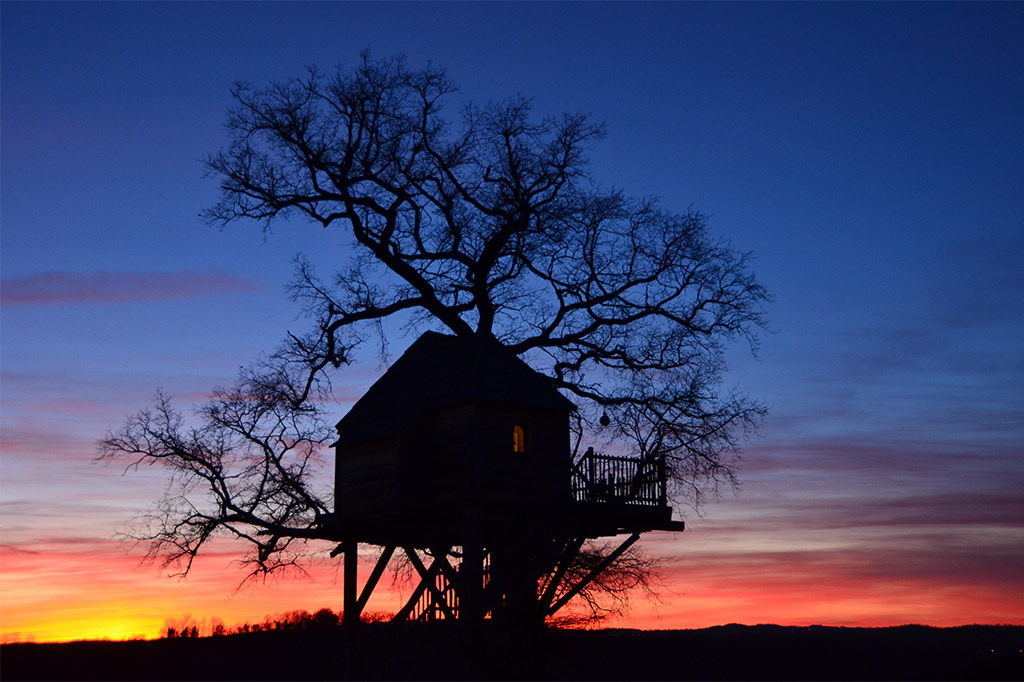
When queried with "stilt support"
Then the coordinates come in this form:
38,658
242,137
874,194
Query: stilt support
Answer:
429,577
568,555
594,573
350,614
425,581
378,571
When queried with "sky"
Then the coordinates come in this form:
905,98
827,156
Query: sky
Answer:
870,156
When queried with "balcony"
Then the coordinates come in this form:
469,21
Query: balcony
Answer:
617,480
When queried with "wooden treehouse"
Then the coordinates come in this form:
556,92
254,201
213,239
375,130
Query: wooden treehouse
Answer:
461,451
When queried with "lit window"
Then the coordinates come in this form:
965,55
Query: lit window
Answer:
518,439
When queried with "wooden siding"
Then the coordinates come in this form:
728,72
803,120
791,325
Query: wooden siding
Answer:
458,458
366,478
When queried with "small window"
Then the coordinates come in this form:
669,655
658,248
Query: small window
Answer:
518,439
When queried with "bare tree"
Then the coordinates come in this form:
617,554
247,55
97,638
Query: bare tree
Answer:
485,221
611,591
245,467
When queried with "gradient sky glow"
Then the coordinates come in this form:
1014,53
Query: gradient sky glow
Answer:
871,156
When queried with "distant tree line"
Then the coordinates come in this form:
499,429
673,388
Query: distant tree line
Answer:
186,626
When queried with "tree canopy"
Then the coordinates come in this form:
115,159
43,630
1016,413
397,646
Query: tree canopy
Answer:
465,218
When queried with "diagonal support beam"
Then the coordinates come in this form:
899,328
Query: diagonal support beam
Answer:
605,563
436,566
446,567
426,580
371,583
567,556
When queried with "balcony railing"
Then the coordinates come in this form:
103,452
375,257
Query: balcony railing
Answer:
620,480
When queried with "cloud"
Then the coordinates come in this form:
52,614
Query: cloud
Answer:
38,442
12,548
118,287
936,577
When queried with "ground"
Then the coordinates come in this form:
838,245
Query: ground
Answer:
380,651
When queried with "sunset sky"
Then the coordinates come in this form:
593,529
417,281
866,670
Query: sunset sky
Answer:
870,156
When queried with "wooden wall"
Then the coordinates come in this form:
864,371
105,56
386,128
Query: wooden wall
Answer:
455,459
366,478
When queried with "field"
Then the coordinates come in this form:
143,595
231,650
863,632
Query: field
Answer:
378,651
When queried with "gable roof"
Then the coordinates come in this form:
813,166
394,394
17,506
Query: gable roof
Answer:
439,370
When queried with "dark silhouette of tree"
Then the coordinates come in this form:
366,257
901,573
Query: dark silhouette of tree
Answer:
184,626
472,220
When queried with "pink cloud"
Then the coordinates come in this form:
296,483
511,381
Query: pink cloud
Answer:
42,442
928,579
119,287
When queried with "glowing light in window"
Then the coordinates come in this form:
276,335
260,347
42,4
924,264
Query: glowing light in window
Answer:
518,439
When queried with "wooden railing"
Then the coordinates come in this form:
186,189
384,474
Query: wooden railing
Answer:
427,609
622,480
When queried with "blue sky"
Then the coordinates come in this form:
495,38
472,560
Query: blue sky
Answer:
869,155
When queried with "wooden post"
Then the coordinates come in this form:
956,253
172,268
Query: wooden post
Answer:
591,476
350,615
662,482
471,577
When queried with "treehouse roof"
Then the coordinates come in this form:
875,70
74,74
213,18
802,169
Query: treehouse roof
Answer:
439,370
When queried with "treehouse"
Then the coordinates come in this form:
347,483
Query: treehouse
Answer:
458,429
462,450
